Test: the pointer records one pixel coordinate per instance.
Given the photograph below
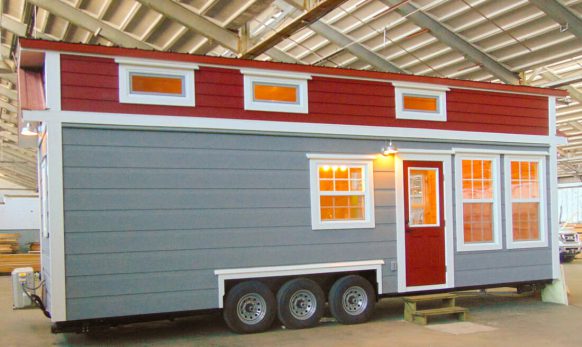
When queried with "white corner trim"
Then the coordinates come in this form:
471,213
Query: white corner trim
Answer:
420,86
52,80
260,126
294,270
58,303
449,227
167,64
554,223
276,74
497,242
341,156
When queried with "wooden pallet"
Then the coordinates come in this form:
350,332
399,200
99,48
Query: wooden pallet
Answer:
414,315
9,262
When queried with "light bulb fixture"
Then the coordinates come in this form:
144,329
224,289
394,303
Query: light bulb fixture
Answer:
389,148
29,130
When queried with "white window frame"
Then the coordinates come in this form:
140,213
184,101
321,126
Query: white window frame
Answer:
297,80
496,177
185,71
421,90
543,241
366,163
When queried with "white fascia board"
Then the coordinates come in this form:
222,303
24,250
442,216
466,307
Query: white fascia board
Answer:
294,270
459,150
340,156
255,126
276,74
168,64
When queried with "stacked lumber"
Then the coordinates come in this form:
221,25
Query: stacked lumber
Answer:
9,243
34,247
9,262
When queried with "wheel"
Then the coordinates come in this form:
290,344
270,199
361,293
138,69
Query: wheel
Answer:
352,300
300,303
249,307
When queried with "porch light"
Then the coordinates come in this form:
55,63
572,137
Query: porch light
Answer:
29,130
389,148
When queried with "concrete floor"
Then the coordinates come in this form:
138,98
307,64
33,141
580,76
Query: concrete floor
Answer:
510,321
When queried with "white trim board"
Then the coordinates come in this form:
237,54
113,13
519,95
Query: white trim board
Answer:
255,126
448,206
293,270
554,223
56,223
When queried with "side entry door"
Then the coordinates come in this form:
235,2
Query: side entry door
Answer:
424,223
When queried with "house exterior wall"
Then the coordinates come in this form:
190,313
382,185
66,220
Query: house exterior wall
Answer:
91,84
150,214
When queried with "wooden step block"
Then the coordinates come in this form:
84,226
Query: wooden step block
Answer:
421,316
430,297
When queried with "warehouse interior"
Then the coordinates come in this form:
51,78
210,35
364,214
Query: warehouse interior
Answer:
519,42
537,43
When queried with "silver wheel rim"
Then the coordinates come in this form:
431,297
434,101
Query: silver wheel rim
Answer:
355,300
302,304
251,308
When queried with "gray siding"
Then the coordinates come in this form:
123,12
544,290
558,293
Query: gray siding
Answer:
149,215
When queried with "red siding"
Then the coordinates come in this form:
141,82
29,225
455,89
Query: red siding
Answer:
90,84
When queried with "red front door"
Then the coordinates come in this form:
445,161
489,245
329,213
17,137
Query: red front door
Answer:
424,223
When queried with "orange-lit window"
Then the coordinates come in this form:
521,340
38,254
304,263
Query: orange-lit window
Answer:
341,191
275,93
525,196
157,84
478,193
423,198
478,202
420,103
341,194
525,202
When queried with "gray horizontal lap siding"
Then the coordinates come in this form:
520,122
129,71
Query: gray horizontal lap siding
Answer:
149,215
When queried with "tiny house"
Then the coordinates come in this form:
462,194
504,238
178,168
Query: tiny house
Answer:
174,183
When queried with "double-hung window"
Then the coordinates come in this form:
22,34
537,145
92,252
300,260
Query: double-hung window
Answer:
478,205
341,193
525,202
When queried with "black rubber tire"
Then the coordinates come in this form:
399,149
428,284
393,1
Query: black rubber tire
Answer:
354,289
235,297
303,291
